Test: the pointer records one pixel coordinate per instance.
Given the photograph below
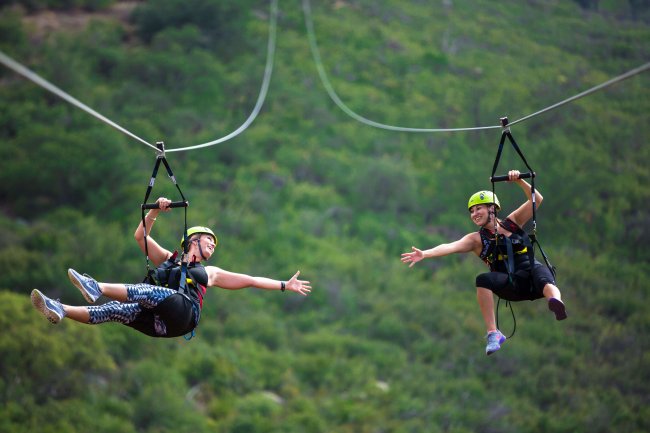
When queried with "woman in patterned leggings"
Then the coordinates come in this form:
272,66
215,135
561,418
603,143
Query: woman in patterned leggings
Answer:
154,310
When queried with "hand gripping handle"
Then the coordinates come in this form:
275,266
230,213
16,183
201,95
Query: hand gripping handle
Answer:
505,177
171,205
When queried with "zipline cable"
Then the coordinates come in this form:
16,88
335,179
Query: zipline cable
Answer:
601,86
25,72
332,94
268,71
20,69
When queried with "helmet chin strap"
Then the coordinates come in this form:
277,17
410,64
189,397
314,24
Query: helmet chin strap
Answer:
492,215
198,241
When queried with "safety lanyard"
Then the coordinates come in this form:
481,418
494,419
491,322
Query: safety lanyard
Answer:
184,203
530,239
530,174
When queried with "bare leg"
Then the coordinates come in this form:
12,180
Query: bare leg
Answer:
114,291
78,314
551,291
494,337
486,304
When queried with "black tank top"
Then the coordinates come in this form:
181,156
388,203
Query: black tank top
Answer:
199,280
494,251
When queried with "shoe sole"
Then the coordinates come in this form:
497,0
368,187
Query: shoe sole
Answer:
81,288
38,302
558,308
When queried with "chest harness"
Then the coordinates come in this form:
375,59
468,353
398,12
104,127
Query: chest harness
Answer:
506,253
169,273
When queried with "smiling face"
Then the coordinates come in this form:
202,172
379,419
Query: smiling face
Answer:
202,245
480,214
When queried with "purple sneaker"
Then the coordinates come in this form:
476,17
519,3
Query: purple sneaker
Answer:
50,308
494,341
86,285
557,307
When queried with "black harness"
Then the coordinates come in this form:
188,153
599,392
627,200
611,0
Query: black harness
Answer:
169,275
501,252
190,281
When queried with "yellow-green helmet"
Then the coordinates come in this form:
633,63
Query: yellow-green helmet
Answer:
483,197
200,229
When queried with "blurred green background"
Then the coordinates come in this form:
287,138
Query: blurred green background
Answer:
377,347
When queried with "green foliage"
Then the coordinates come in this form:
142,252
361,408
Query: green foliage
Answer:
38,366
376,346
59,5
206,24
11,32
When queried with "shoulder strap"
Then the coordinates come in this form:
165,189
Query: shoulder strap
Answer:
485,244
511,226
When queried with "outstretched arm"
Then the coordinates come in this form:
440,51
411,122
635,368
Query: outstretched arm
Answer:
468,243
523,213
157,254
232,281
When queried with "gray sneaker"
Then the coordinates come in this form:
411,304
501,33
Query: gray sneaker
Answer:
86,285
494,341
50,308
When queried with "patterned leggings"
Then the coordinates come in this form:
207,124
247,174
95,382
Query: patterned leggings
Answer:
138,296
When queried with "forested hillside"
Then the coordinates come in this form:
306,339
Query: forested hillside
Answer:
377,347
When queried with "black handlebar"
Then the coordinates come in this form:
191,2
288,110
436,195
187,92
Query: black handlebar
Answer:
171,205
505,177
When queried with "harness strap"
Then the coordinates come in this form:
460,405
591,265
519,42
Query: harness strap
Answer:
182,284
160,157
504,257
510,263
549,265
146,196
498,157
504,134
514,319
